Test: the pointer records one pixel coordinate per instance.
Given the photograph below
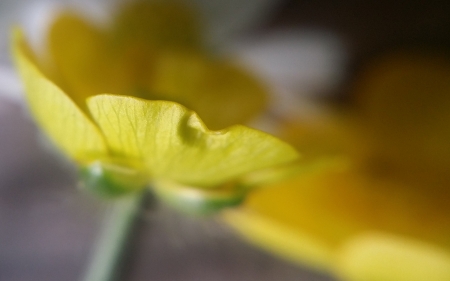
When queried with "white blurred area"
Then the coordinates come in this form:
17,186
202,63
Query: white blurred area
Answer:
225,19
10,86
298,66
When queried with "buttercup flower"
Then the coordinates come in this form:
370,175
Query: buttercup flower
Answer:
109,102
153,51
374,204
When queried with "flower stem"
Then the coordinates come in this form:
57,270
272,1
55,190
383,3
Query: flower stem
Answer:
114,238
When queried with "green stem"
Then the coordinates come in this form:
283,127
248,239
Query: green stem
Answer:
113,240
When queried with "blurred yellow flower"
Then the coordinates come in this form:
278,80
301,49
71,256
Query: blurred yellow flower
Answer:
152,50
102,105
375,205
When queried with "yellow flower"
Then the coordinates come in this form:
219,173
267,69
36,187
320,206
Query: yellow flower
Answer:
88,107
374,205
153,51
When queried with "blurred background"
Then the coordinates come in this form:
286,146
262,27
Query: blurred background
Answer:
311,55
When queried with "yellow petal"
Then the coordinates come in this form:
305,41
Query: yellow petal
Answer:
56,113
331,205
381,257
221,93
299,246
157,25
291,219
142,31
174,143
84,60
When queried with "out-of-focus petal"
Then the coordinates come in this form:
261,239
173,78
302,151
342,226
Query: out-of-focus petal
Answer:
333,205
221,93
68,127
293,244
158,25
85,64
385,257
175,144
